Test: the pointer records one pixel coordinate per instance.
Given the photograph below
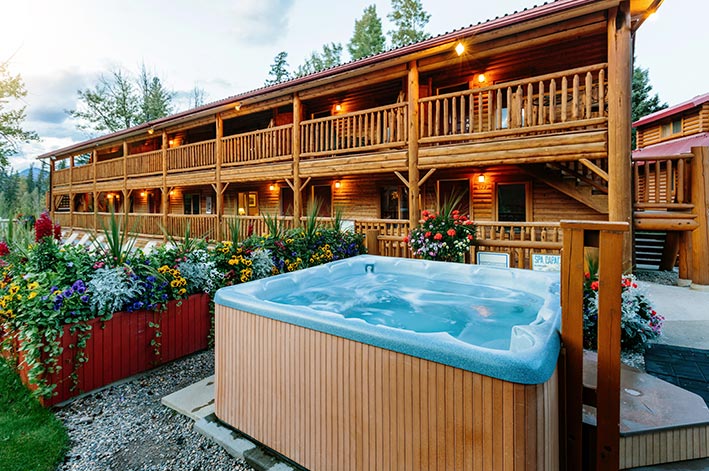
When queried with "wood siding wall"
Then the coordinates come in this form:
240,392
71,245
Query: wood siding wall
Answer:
664,446
694,121
330,403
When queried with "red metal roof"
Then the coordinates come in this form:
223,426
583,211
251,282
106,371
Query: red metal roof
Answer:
527,14
683,145
667,112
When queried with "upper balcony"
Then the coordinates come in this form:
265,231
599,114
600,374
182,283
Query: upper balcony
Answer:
560,116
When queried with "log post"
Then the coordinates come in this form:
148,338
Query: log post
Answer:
94,157
620,201
413,138
372,240
219,157
50,192
297,193
126,207
165,192
71,192
700,199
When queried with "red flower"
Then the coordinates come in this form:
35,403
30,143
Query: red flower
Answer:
406,239
470,237
58,232
4,249
635,285
438,236
451,232
427,234
424,213
594,286
43,227
587,275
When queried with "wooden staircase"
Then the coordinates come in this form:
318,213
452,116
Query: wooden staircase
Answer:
584,180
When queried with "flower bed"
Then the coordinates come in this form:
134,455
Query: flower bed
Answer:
125,345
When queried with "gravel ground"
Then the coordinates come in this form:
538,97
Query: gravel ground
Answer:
659,277
126,428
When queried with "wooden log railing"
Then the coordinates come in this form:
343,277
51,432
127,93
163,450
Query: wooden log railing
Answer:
258,146
372,129
144,224
518,239
662,183
390,235
191,156
83,221
144,164
200,225
608,237
82,173
61,177
553,101
64,219
109,169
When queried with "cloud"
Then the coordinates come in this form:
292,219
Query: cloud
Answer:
263,22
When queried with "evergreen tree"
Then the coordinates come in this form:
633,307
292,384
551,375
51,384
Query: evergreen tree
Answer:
29,182
643,102
368,38
279,69
410,19
12,89
157,100
329,57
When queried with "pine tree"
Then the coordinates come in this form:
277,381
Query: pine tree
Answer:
642,101
156,99
329,57
279,69
368,38
410,19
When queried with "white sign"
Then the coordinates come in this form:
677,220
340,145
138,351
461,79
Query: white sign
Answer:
493,259
546,262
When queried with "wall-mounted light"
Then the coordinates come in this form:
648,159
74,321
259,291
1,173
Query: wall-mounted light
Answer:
481,78
171,193
272,187
242,211
459,48
338,184
481,178
151,131
109,196
237,107
170,142
338,108
142,194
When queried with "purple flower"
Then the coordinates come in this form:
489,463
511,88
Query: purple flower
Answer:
150,279
84,299
68,292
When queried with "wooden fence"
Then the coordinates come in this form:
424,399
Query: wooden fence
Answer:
662,183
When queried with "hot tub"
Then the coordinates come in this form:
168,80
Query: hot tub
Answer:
384,363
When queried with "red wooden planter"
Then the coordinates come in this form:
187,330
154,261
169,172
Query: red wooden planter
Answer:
121,347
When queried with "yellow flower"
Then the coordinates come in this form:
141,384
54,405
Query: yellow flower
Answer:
32,295
175,283
32,286
181,291
163,269
14,289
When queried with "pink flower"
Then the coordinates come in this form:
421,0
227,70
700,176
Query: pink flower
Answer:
438,236
470,237
451,232
594,286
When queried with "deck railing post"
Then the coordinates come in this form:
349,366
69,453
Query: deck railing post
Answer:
608,237
700,199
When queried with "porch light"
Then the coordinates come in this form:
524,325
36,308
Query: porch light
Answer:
142,194
338,184
237,107
338,108
481,178
171,192
272,187
109,196
459,48
481,78
151,131
242,211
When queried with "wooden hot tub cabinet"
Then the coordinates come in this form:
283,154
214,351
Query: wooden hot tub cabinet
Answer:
330,403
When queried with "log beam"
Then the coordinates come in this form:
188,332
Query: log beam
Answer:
413,150
219,157
165,204
620,73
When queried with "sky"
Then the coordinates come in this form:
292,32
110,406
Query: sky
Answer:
226,47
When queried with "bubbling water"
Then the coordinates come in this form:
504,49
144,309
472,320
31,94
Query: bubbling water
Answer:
478,314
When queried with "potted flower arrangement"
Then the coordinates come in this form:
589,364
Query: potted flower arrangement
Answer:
639,322
444,236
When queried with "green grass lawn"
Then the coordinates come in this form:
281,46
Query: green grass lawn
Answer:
31,437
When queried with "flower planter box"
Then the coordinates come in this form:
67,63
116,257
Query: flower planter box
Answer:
121,347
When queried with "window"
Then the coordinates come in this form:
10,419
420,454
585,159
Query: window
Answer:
191,204
669,129
512,202
322,194
458,189
286,201
247,203
394,202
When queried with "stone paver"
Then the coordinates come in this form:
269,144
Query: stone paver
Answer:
683,366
